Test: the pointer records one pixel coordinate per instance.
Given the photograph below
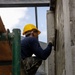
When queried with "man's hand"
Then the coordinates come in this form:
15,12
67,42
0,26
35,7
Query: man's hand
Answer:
51,40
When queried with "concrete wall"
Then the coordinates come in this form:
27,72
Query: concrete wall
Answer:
62,62
63,45
60,50
72,21
73,59
72,26
49,63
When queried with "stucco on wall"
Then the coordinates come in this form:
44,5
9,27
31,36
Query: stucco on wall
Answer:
72,26
60,54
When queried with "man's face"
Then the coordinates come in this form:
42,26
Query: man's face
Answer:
35,33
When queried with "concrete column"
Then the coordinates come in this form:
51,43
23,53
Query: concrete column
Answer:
67,38
72,25
49,64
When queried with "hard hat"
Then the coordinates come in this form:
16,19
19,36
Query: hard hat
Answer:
29,27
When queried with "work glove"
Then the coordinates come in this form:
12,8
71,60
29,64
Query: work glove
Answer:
51,40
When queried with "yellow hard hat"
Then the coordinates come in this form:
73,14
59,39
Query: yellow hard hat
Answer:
29,27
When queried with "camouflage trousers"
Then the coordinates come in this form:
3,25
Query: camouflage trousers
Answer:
30,65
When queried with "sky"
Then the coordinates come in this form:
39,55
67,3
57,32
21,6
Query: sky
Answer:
18,17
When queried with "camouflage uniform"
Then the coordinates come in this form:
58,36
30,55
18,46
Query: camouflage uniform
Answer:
30,65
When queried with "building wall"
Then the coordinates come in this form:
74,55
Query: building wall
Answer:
62,62
72,21
72,26
73,59
63,44
49,63
60,50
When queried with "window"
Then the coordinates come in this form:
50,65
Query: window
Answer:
17,17
42,23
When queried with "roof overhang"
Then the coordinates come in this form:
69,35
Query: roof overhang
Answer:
24,3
